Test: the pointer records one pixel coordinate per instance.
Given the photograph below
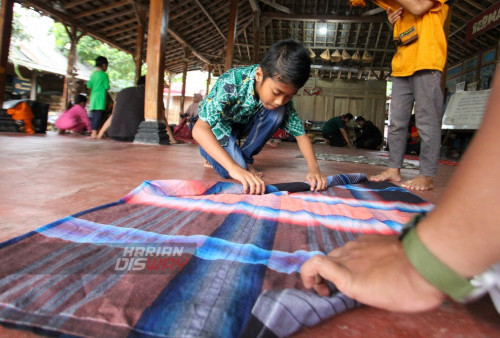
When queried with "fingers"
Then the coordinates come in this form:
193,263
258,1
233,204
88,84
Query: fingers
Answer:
253,184
317,182
319,268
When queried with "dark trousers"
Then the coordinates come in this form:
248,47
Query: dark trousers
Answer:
369,143
335,139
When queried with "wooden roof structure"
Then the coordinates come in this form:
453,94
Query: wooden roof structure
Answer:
198,31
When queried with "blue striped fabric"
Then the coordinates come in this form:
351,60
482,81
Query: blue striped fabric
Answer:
191,258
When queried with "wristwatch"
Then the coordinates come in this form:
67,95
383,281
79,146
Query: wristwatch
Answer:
430,267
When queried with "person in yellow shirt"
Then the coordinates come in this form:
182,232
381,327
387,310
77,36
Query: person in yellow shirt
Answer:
417,68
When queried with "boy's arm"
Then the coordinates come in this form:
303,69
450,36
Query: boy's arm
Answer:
314,176
202,133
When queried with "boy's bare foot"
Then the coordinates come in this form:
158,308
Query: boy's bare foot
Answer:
254,171
207,164
391,174
93,134
420,182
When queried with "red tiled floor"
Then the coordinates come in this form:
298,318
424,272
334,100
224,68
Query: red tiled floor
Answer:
47,177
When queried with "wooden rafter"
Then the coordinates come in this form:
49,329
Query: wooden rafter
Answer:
279,7
102,9
210,18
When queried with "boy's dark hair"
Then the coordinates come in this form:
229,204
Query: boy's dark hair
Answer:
287,61
360,118
348,116
100,61
80,98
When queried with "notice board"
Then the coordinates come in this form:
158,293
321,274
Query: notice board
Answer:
465,110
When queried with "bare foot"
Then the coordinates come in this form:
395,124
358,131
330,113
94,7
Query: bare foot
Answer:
254,171
207,164
391,174
272,143
420,182
93,134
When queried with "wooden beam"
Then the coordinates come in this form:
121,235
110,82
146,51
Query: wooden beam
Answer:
6,15
254,5
279,7
233,16
139,52
184,78
101,9
210,18
119,24
256,37
322,47
324,18
185,44
75,3
111,17
374,11
209,79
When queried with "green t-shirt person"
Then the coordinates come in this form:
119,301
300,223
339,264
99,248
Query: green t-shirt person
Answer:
334,130
333,125
98,85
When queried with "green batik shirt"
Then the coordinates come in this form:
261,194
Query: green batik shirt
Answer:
233,100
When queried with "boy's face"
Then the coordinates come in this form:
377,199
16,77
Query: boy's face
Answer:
272,92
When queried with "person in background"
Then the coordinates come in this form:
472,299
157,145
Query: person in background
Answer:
334,131
370,137
98,85
437,255
413,141
254,102
127,115
416,81
75,118
191,112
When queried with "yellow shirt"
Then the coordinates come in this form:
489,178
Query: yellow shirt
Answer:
430,49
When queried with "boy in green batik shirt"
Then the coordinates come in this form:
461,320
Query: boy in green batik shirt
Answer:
98,85
253,102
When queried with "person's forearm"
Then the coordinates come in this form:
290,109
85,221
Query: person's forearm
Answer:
307,150
463,230
417,7
202,133
346,138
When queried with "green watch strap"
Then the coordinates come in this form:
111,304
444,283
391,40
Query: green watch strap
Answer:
430,267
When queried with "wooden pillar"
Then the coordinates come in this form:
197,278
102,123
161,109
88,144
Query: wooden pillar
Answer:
138,51
256,37
74,37
167,109
34,85
153,129
233,15
209,79
184,77
6,13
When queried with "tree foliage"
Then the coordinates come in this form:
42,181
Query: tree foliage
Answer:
18,31
121,68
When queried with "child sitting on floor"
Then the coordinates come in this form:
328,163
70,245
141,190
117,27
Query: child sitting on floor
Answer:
253,102
75,118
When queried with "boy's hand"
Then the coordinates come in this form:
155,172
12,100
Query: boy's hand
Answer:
252,183
317,180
